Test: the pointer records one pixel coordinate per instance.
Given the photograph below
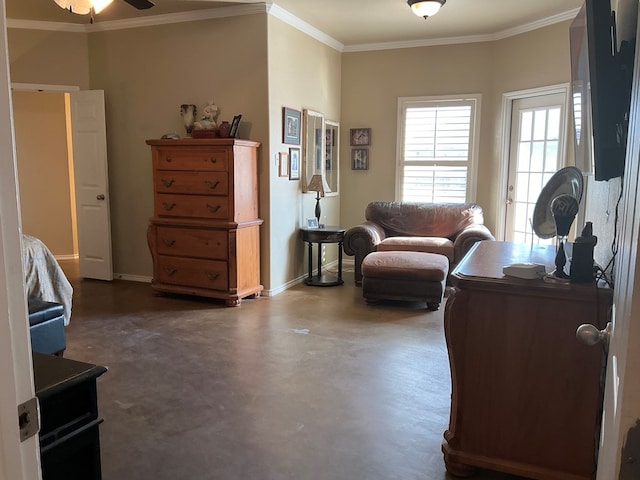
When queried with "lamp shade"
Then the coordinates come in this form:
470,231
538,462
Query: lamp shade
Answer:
318,184
426,8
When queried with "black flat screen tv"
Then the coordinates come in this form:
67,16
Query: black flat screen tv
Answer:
601,77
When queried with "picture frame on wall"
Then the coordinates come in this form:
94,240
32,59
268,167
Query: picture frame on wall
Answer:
283,164
360,136
360,159
294,164
329,137
291,125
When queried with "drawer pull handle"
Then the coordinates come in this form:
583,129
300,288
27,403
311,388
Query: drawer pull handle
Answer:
168,206
213,159
212,276
169,270
167,242
168,183
169,159
211,184
213,209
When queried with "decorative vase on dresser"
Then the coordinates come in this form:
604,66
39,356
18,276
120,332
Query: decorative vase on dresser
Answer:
204,235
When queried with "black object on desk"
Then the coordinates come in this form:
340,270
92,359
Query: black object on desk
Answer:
326,234
69,438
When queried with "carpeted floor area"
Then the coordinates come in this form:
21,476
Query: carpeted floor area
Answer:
309,384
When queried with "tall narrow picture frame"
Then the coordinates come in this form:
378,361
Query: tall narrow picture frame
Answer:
291,126
294,164
283,164
332,156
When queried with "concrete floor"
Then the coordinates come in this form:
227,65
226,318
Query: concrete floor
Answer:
309,384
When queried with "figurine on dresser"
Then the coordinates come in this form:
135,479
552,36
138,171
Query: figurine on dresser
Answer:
188,113
209,118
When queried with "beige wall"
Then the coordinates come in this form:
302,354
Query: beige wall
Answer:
303,74
531,60
43,57
41,146
373,81
148,72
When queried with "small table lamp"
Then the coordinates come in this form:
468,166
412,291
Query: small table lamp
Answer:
319,185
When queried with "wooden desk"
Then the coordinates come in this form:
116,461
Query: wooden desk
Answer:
69,439
526,395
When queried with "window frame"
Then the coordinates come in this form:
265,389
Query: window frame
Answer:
474,136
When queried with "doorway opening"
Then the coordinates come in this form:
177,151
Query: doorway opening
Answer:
81,176
45,169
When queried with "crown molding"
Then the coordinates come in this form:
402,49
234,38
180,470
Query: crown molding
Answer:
293,21
49,26
152,20
366,47
193,16
545,22
511,32
283,15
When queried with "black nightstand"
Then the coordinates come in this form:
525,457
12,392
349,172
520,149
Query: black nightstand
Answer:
327,234
69,438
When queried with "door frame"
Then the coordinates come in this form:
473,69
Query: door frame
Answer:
77,224
18,460
507,112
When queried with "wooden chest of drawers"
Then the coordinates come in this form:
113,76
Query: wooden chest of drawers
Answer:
204,236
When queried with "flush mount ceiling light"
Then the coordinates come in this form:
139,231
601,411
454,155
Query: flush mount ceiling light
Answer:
83,7
425,8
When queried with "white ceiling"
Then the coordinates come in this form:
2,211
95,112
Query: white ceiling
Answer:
350,22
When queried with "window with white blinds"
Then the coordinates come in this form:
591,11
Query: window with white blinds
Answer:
437,149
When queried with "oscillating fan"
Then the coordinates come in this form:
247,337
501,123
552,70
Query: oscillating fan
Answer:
556,208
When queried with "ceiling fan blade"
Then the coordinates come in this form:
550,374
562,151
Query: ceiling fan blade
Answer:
140,4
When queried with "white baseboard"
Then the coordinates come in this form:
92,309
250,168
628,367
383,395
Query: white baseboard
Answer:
132,278
69,257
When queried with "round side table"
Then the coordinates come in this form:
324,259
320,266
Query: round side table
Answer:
326,234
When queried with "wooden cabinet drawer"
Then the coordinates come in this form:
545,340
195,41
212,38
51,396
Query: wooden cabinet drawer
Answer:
208,159
194,206
192,272
206,183
192,242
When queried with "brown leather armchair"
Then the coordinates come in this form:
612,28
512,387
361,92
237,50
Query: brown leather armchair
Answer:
447,229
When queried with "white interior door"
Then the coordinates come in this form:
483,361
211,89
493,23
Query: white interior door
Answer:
621,407
18,460
88,131
536,150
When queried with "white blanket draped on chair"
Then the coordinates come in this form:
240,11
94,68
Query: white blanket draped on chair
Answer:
43,276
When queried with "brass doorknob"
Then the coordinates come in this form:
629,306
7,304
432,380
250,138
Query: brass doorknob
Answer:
590,335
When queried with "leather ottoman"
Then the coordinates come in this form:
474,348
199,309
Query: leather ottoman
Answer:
405,276
46,325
